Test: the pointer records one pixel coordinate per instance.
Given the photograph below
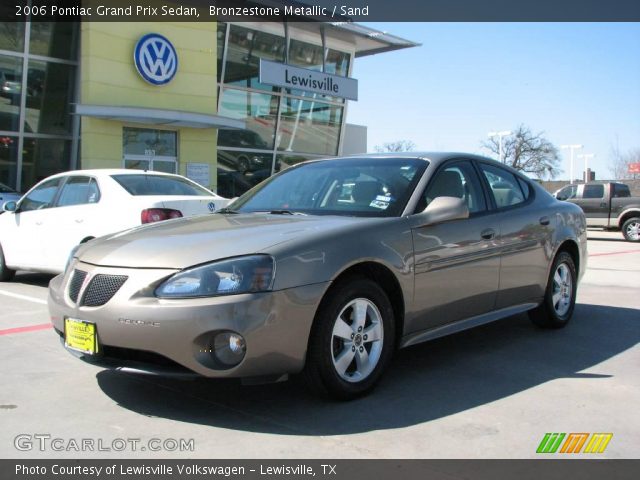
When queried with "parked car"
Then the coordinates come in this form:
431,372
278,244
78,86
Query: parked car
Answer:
606,205
325,268
8,194
70,208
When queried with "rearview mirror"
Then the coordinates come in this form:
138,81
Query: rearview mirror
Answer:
9,206
445,209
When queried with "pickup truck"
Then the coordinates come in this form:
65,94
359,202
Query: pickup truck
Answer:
606,205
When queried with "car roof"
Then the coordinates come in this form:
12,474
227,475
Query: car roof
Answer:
431,156
102,172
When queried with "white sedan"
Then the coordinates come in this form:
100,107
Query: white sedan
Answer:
38,232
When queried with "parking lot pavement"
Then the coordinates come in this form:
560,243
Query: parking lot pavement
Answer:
492,392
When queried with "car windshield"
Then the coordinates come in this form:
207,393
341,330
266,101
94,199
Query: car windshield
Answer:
366,187
145,184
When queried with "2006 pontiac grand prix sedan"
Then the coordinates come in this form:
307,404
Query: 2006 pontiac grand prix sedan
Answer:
326,268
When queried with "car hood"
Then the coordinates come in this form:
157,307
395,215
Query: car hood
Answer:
191,241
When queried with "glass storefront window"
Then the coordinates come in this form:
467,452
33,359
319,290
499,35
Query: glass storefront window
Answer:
144,141
310,127
54,39
8,160
12,36
285,161
43,157
222,29
149,149
50,89
258,110
337,63
246,48
239,170
305,55
10,92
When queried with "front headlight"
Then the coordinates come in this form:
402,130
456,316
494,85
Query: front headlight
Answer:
253,273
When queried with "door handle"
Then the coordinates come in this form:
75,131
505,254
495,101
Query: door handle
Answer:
544,220
39,222
79,220
603,205
488,234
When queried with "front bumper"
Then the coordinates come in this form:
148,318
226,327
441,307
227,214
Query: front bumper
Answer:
137,331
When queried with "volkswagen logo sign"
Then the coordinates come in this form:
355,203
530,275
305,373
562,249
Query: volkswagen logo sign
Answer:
155,58
212,207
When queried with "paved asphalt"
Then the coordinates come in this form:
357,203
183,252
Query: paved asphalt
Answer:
491,392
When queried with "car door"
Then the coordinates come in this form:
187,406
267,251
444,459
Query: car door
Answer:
456,263
73,220
24,238
595,204
525,235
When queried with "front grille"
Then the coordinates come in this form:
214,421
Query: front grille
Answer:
76,284
101,288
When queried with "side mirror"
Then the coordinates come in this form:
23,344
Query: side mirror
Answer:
10,206
445,209
561,196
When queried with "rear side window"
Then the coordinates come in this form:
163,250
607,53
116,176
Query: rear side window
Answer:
79,191
504,185
621,190
593,191
140,185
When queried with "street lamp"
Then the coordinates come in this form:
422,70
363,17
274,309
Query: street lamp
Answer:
572,148
500,135
586,157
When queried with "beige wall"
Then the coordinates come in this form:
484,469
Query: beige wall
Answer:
109,77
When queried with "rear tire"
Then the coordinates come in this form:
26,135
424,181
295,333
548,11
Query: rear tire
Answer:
6,274
631,230
560,296
352,340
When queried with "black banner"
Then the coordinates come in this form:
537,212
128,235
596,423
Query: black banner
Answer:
321,469
321,10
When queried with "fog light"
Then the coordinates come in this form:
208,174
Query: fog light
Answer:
229,348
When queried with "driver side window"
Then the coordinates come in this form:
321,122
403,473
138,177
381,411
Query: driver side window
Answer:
459,180
41,197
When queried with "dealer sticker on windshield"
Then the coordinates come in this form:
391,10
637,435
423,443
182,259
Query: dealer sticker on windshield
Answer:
382,202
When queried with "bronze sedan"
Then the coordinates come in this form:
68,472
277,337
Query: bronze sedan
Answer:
326,268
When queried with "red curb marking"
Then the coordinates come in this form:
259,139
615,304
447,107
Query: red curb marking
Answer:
30,328
612,253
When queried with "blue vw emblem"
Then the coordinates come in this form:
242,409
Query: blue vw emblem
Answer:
212,206
155,58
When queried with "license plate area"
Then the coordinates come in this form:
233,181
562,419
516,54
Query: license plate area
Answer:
81,336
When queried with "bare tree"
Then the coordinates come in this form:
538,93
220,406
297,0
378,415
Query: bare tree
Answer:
397,146
619,162
528,152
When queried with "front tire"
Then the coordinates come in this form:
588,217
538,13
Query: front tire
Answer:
631,230
560,296
6,274
352,340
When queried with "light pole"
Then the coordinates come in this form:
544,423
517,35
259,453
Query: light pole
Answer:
500,135
586,157
572,148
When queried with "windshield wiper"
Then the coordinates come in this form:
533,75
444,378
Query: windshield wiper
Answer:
227,210
285,212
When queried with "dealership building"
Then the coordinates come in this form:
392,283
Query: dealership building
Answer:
226,104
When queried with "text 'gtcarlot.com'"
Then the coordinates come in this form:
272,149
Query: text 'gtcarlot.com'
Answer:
45,442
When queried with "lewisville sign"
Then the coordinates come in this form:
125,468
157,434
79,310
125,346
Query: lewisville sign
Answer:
288,76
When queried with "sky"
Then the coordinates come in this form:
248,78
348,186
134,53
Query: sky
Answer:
579,83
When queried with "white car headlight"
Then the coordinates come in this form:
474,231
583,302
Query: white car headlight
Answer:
253,273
